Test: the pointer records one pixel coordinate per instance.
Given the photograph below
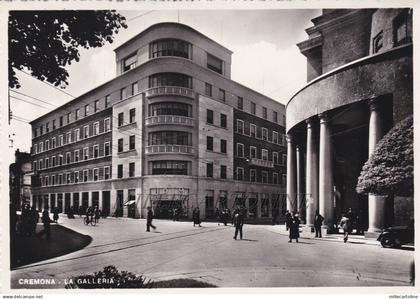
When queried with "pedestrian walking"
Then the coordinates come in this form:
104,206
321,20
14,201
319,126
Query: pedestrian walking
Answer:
346,226
196,217
97,212
55,215
238,222
294,228
318,223
25,220
149,220
46,221
288,219
34,216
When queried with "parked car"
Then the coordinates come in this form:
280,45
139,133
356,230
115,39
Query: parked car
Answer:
396,236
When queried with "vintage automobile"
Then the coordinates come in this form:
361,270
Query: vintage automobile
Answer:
396,236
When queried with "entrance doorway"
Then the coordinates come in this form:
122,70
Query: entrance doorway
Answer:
106,203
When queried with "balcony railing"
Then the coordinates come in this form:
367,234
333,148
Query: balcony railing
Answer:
169,90
262,163
177,149
169,120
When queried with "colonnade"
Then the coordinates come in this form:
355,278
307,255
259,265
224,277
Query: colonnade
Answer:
319,185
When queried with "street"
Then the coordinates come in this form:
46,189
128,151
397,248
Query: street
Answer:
264,258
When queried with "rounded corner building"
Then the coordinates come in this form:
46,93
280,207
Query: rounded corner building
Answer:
360,84
170,131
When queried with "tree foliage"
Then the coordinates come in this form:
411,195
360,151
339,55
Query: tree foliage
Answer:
390,169
44,42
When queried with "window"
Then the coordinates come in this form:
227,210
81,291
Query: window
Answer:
68,178
86,110
68,136
208,90
47,127
77,134
61,121
275,137
68,117
240,150
120,119
264,112
47,145
60,179
170,79
241,103
40,130
223,146
170,108
41,147
209,171
123,93
252,175
96,151
253,108
85,153
131,169
107,101
53,142
223,120
377,42
107,123
264,177
85,175
170,167
170,137
76,155
86,131
95,174
120,145
252,152
401,29
240,173
53,161
209,116
53,180
41,164
60,140
96,105
275,116
76,176
77,114
120,171
35,148
106,173
275,178
68,158
209,143
214,63
264,133
222,94
60,160
107,150
132,142
132,115
223,171
275,158
47,163
170,47
53,124
129,62
96,128
46,181
264,154
34,163
239,126
134,88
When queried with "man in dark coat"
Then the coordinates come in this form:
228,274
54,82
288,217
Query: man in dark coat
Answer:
34,220
149,219
288,219
46,221
238,221
317,224
55,215
196,217
294,229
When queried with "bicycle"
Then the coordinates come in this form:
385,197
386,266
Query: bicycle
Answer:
89,220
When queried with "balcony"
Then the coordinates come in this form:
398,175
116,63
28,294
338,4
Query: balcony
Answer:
171,149
169,120
169,90
262,163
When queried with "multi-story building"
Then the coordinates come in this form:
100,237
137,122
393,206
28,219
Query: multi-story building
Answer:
360,78
20,180
172,130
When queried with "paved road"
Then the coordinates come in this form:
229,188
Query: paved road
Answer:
263,259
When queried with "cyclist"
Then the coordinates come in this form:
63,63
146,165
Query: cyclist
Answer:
89,215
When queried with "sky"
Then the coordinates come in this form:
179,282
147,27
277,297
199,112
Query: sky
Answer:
265,58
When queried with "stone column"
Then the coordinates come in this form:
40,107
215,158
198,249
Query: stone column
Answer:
377,203
89,198
100,200
326,181
291,176
312,204
299,184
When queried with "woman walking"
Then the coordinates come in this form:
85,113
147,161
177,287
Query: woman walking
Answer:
294,228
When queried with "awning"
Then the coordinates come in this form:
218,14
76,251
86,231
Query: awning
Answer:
130,202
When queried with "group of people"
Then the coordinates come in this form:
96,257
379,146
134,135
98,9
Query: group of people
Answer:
223,216
93,214
29,219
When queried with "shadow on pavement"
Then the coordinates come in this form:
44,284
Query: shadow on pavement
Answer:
27,250
249,240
